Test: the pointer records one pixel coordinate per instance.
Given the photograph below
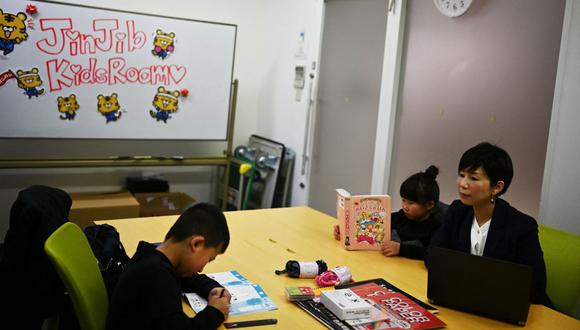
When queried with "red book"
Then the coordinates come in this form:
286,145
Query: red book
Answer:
404,309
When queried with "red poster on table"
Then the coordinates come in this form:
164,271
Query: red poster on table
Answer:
406,313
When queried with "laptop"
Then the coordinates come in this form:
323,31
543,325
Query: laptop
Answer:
480,285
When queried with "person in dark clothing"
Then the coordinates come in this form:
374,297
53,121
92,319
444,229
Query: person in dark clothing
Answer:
414,235
25,270
482,224
415,223
148,294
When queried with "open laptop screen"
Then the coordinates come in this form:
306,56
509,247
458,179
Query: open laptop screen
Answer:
489,287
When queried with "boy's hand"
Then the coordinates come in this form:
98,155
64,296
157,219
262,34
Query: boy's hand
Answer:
220,299
336,233
390,248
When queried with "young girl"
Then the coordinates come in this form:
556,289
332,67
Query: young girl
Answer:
420,216
482,224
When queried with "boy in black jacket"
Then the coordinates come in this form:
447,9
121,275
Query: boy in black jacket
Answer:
148,294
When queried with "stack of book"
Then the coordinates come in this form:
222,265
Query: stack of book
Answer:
294,293
385,307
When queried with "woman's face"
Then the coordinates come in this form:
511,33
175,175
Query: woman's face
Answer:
416,211
474,187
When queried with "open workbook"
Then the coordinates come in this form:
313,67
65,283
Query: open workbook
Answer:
246,296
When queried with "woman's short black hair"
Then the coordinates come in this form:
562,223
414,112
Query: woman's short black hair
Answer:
204,220
495,161
421,187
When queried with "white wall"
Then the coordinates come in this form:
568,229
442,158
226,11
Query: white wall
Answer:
267,40
278,115
488,75
560,198
560,193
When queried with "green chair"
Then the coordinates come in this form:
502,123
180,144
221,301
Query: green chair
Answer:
561,254
75,263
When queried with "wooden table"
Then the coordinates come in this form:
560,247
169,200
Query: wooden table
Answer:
263,240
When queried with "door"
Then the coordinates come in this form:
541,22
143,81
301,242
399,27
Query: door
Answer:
348,99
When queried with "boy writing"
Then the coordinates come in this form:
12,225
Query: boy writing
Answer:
148,294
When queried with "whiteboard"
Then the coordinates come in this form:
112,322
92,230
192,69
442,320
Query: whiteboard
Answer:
176,92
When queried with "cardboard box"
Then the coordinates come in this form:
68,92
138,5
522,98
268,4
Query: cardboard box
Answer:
165,203
88,207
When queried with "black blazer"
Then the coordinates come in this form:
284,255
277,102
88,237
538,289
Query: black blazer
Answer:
512,236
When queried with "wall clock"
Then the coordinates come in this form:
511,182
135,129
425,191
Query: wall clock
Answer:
452,8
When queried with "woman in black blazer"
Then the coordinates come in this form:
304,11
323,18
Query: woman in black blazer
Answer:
482,224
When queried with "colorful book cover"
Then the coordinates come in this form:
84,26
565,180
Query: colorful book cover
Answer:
378,314
385,284
391,320
407,310
299,293
327,318
318,290
364,220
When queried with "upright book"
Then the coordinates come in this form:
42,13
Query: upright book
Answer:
364,220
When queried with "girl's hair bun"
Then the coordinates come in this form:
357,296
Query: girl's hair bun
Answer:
432,171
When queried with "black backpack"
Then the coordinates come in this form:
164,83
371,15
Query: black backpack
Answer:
111,256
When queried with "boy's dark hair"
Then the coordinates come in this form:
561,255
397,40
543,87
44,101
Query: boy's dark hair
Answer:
203,220
495,161
421,187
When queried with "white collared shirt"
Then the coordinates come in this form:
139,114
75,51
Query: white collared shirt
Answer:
479,237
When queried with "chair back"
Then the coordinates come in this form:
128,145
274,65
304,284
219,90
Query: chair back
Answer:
561,251
75,263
